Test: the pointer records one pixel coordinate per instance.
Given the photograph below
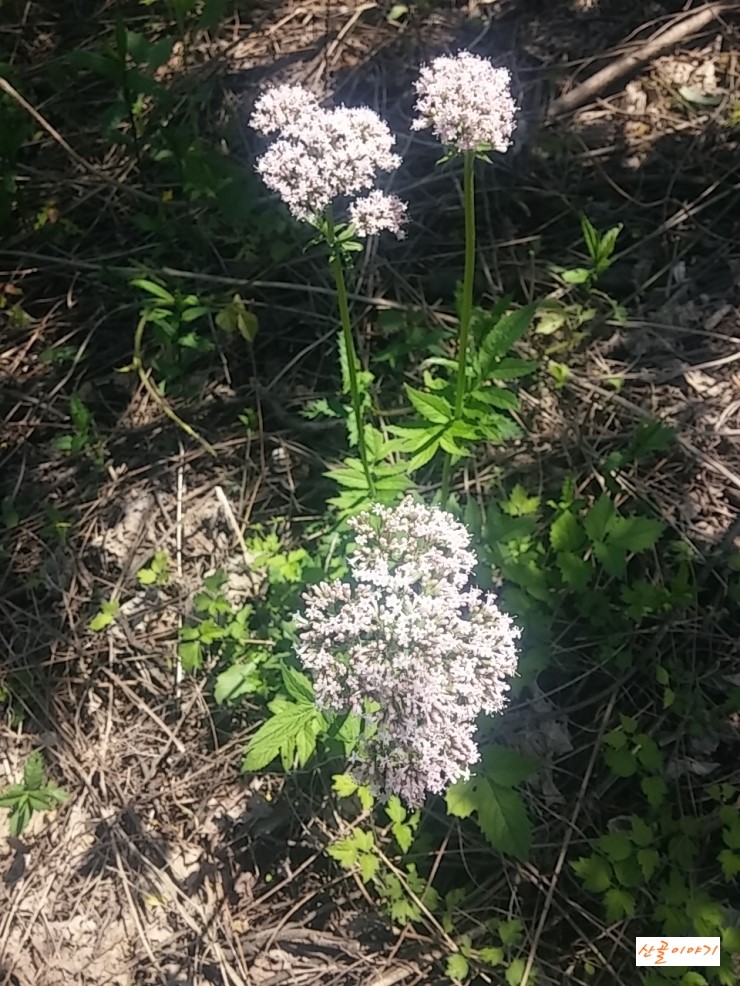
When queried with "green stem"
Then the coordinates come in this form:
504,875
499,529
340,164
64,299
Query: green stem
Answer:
344,315
466,305
138,365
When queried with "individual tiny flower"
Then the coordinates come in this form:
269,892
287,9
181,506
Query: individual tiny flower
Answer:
321,154
466,102
377,211
408,647
280,107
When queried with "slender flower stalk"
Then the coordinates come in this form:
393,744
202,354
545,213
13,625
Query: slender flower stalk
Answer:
466,303
337,269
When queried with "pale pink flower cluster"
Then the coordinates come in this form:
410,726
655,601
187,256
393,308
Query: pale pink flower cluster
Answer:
410,648
377,211
466,102
280,107
320,155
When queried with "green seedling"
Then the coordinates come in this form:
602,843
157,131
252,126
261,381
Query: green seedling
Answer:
157,572
105,616
600,248
84,437
31,795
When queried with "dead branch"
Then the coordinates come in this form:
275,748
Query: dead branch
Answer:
636,60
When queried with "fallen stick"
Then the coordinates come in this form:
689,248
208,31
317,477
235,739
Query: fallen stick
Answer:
636,60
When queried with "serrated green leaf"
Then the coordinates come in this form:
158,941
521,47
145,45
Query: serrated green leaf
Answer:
594,871
297,685
612,557
266,743
38,800
108,612
491,956
503,820
504,400
19,818
512,368
348,475
615,845
634,534
236,682
576,571
510,932
551,317
235,317
54,793
448,443
11,795
390,483
190,655
305,741
652,436
395,810
649,860
404,835
730,863
566,533
628,872
33,772
369,865
507,330
506,767
590,237
515,972
616,739
642,833
343,785
431,407
365,839
577,275
648,752
731,835
519,503
654,789
349,732
457,967
345,852
462,798
705,913
622,763
619,904
287,753
366,798
597,519
423,456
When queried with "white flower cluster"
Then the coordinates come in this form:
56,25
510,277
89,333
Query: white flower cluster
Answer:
409,648
321,154
466,102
